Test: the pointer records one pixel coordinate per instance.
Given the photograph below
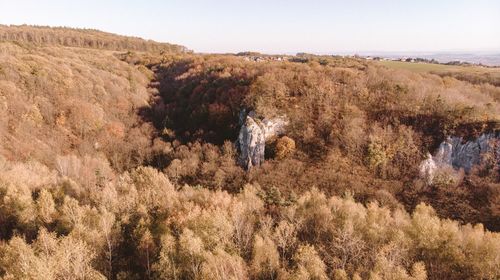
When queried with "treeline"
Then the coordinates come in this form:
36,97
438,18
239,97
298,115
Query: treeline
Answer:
139,225
83,38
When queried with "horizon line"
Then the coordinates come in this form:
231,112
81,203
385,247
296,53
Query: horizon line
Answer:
492,51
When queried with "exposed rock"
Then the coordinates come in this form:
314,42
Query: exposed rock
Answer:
444,152
243,116
428,168
251,142
460,154
274,127
253,135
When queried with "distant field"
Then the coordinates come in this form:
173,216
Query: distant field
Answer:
429,67
473,74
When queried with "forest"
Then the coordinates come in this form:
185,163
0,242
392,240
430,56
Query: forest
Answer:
119,160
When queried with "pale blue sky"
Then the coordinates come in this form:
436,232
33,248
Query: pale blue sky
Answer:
280,26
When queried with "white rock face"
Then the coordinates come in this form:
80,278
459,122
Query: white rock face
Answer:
274,127
460,154
253,135
444,152
428,168
251,141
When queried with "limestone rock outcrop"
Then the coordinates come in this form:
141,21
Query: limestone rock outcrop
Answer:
459,154
428,169
253,135
274,127
251,144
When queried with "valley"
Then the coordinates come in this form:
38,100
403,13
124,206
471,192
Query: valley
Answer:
122,158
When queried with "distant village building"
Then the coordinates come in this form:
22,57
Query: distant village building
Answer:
262,58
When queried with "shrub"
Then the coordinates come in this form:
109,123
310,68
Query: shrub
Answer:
284,147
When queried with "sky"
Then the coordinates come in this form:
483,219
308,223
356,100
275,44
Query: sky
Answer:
280,26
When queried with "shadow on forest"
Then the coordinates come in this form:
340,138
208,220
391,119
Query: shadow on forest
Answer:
435,128
190,107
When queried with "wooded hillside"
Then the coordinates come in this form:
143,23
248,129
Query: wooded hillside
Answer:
118,161
83,38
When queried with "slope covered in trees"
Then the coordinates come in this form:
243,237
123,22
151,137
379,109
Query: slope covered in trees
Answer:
121,164
83,38
139,225
357,127
58,101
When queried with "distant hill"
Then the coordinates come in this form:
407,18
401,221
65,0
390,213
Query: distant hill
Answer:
85,38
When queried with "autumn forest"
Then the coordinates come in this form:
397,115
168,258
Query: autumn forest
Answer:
122,158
